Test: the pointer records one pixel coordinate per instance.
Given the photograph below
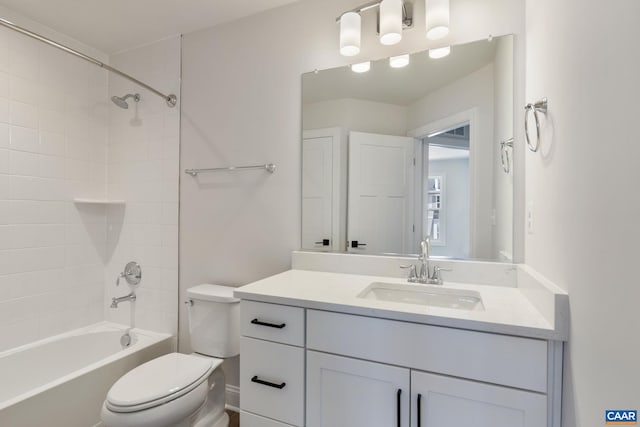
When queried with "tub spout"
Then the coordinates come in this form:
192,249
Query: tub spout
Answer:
115,301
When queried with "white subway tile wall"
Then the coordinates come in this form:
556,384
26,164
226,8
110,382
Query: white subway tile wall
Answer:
143,165
61,138
53,147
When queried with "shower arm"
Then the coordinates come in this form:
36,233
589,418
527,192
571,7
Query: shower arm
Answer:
170,99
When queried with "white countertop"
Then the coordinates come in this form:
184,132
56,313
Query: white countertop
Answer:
507,309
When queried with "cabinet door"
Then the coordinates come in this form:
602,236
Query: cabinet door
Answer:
440,401
345,392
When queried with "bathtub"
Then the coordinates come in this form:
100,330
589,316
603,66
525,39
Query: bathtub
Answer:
63,380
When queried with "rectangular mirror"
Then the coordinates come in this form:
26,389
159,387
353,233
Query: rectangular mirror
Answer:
393,155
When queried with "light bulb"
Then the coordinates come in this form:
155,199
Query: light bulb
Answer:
350,24
390,21
437,18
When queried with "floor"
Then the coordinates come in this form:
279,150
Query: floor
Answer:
234,419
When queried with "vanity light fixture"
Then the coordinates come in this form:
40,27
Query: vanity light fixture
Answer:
399,61
350,24
393,17
440,52
390,22
437,18
361,67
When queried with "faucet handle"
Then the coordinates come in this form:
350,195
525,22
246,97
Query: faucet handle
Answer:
120,276
413,275
436,273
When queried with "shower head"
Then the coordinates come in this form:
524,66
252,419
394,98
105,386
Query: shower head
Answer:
122,101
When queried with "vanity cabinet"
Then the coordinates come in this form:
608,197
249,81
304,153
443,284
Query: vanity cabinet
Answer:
442,401
271,365
367,371
343,391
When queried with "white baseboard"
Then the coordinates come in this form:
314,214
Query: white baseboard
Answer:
233,397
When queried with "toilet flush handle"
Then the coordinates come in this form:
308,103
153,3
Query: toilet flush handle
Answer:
189,302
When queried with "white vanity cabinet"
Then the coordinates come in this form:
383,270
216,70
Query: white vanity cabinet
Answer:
271,365
347,370
342,391
446,376
439,400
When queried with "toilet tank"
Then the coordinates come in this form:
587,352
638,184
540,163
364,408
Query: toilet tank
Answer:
214,320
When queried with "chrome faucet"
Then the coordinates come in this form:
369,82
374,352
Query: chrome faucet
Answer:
115,301
426,275
425,253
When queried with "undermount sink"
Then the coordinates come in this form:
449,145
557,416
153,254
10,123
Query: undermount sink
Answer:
417,294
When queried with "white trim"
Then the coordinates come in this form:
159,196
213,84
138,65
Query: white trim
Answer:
232,396
469,116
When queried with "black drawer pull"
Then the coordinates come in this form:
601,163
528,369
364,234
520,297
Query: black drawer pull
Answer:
255,379
419,410
398,403
271,325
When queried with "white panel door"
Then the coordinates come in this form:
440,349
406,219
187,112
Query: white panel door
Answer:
317,193
345,392
440,401
380,207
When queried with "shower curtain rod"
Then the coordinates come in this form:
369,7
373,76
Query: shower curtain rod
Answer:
171,99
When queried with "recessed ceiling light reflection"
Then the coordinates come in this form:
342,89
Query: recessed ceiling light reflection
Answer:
361,67
399,61
440,52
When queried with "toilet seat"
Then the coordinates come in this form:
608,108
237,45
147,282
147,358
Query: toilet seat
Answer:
159,381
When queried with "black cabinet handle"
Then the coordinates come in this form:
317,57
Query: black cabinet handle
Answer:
398,403
355,244
419,410
271,325
324,242
280,386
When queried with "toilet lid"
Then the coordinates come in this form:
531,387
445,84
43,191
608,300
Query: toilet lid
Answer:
161,379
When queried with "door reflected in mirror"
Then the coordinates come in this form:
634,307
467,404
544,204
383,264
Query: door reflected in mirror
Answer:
393,156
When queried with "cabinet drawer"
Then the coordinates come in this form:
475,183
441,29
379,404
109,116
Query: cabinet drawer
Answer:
252,420
272,380
272,322
498,359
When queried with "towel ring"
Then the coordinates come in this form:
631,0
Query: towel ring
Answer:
540,106
504,154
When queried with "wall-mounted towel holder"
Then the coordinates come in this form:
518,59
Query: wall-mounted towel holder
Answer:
269,167
504,154
537,107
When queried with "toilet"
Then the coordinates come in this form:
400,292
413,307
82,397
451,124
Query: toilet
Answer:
177,390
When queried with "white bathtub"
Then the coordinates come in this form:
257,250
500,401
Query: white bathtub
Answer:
63,380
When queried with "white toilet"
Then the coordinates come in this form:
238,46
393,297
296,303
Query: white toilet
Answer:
177,390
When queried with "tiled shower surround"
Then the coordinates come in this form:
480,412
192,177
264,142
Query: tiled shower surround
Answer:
61,138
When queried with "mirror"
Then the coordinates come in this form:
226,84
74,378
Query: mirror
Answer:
393,155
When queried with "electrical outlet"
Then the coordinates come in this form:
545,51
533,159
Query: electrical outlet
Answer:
530,217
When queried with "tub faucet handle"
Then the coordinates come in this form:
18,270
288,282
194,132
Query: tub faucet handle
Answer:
132,274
